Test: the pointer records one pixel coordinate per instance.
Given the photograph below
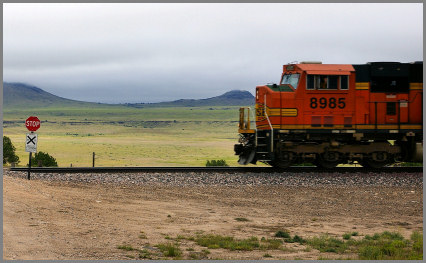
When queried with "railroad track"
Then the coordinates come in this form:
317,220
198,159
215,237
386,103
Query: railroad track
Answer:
293,169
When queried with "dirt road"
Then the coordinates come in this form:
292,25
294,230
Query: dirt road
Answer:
53,220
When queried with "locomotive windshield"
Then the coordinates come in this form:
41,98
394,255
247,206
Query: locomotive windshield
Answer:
291,79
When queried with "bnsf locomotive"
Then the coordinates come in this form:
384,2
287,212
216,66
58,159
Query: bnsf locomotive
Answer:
334,114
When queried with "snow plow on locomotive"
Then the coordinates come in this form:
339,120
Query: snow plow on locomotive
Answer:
330,114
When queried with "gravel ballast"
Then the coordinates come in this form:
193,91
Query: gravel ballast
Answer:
233,179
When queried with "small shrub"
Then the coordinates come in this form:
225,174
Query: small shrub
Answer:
384,246
43,159
347,236
169,250
126,247
216,163
267,255
271,244
227,242
391,246
298,239
145,254
417,239
283,234
327,244
180,237
370,253
205,251
199,255
193,255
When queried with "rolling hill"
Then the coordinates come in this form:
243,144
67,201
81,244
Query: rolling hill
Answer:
19,95
24,96
230,98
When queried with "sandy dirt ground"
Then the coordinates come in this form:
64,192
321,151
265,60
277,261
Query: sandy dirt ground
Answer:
58,221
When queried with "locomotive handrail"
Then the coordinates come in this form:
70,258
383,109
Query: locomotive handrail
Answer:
254,117
243,124
269,122
245,121
272,131
255,129
398,112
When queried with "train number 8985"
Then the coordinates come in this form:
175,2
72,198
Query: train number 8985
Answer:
324,103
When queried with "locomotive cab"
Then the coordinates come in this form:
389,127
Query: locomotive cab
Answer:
329,114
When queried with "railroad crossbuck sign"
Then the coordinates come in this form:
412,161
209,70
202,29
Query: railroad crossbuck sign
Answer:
31,143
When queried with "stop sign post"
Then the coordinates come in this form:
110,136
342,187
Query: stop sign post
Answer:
32,124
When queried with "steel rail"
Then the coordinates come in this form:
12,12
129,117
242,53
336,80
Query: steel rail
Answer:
293,169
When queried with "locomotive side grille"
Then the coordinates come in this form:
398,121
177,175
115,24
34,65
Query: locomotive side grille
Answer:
328,121
316,121
347,121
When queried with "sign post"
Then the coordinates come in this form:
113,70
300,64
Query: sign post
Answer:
32,124
29,167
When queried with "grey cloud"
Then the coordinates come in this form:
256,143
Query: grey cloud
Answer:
172,51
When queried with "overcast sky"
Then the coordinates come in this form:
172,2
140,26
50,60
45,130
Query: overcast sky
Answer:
118,53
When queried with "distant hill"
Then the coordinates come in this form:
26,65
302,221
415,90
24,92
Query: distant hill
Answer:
28,96
23,96
230,98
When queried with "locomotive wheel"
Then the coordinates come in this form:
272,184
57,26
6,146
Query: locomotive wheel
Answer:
376,160
284,160
328,160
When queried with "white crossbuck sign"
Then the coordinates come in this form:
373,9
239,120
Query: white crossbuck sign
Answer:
31,143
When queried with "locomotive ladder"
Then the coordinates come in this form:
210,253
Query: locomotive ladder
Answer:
261,141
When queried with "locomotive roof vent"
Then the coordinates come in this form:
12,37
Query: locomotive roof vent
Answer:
311,62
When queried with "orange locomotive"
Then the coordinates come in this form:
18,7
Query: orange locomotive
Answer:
334,114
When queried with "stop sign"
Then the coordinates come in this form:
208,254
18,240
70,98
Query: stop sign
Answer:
32,123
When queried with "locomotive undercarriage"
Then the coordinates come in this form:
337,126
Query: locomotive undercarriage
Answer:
327,150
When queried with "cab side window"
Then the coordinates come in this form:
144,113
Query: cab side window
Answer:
310,84
323,82
333,82
327,82
344,82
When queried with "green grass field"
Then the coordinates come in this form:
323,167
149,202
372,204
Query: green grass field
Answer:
125,136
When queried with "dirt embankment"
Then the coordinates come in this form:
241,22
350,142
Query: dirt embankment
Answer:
73,220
